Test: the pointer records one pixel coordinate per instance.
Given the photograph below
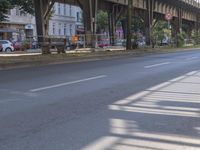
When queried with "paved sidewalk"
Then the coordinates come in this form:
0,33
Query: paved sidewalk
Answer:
32,52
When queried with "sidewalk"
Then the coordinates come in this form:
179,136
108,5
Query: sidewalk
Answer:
79,50
35,57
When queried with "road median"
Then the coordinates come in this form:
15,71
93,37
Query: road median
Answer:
39,60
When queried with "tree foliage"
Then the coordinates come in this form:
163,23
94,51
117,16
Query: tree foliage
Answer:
138,24
6,5
102,20
160,31
25,5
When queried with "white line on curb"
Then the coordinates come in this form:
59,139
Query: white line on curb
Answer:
67,83
157,65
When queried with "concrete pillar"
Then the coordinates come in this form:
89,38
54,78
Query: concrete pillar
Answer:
87,25
90,12
129,24
112,24
149,21
197,25
179,25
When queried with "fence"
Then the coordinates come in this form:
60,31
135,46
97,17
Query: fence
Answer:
63,43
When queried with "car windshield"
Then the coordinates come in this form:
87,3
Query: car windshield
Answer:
3,42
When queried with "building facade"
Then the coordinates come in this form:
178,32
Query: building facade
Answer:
66,20
18,26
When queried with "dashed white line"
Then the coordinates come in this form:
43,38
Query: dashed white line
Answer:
157,65
67,83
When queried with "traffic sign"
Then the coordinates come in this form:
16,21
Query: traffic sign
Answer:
168,16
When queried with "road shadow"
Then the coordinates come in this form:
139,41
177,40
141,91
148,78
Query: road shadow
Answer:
163,117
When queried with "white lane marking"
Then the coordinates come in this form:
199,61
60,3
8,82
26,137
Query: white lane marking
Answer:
67,83
157,65
191,58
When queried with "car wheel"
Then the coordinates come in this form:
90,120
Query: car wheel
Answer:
8,49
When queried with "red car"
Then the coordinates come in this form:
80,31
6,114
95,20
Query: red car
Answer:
18,46
103,43
1,47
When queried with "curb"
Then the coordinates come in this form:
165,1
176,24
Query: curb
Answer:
94,57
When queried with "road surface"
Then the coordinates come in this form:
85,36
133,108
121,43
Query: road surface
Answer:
134,103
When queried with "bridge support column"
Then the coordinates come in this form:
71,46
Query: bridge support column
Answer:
114,13
176,24
90,8
129,25
179,25
149,21
197,26
87,25
112,25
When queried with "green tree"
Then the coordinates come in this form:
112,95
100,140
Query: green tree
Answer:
181,36
159,31
102,20
138,24
6,5
25,5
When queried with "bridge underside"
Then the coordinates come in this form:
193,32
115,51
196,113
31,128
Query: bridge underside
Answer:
150,10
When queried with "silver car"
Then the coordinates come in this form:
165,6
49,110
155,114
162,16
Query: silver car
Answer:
6,46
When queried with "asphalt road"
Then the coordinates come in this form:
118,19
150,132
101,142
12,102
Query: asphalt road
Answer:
142,103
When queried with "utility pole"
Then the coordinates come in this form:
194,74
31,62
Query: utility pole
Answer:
129,23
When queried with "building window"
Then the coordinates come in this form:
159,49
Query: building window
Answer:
22,13
59,29
70,28
54,28
70,10
59,9
78,16
64,9
17,12
65,29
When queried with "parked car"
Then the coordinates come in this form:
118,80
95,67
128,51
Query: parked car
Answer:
80,43
141,43
6,45
120,43
1,47
103,43
18,46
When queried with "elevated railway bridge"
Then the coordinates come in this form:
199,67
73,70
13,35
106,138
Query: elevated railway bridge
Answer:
182,11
